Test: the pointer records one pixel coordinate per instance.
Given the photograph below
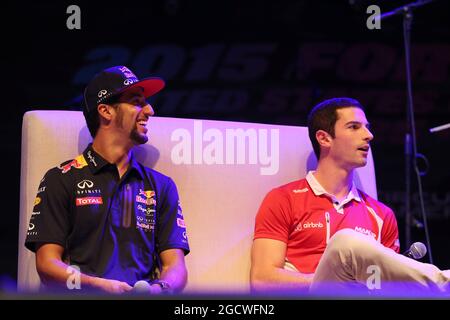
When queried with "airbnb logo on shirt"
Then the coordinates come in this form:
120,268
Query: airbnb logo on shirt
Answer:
308,225
88,201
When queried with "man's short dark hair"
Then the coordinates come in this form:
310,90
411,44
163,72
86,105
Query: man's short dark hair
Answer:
92,122
93,118
324,116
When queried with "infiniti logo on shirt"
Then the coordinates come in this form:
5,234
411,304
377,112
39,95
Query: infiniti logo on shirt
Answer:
85,184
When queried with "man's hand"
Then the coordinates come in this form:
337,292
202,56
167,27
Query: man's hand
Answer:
110,286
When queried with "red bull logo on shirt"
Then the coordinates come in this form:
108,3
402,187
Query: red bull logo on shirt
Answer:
146,197
147,193
145,200
78,163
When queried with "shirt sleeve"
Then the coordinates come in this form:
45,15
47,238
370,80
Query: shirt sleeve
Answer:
389,233
49,222
274,217
170,225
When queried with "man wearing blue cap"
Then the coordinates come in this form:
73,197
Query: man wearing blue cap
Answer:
119,222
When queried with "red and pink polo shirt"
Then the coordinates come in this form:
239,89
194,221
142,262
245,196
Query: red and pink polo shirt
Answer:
304,216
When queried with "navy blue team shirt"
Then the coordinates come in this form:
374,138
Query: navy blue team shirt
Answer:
110,227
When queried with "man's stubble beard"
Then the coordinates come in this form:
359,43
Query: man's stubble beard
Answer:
134,134
137,137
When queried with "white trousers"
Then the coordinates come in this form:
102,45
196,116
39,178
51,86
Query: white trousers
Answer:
354,263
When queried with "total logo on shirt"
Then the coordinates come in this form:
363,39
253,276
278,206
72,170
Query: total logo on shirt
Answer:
86,201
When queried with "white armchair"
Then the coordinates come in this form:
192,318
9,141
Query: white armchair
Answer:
222,170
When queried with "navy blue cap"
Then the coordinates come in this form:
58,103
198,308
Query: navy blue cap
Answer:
114,81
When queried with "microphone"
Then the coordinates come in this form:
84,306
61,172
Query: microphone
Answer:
417,251
141,286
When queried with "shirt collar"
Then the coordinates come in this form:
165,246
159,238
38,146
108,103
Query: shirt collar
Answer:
96,162
135,165
319,190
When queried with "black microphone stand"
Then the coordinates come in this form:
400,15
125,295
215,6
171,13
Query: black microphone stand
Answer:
411,154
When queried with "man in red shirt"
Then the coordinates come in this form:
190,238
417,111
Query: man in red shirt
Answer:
322,231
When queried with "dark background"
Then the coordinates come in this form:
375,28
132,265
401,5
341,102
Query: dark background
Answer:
252,61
